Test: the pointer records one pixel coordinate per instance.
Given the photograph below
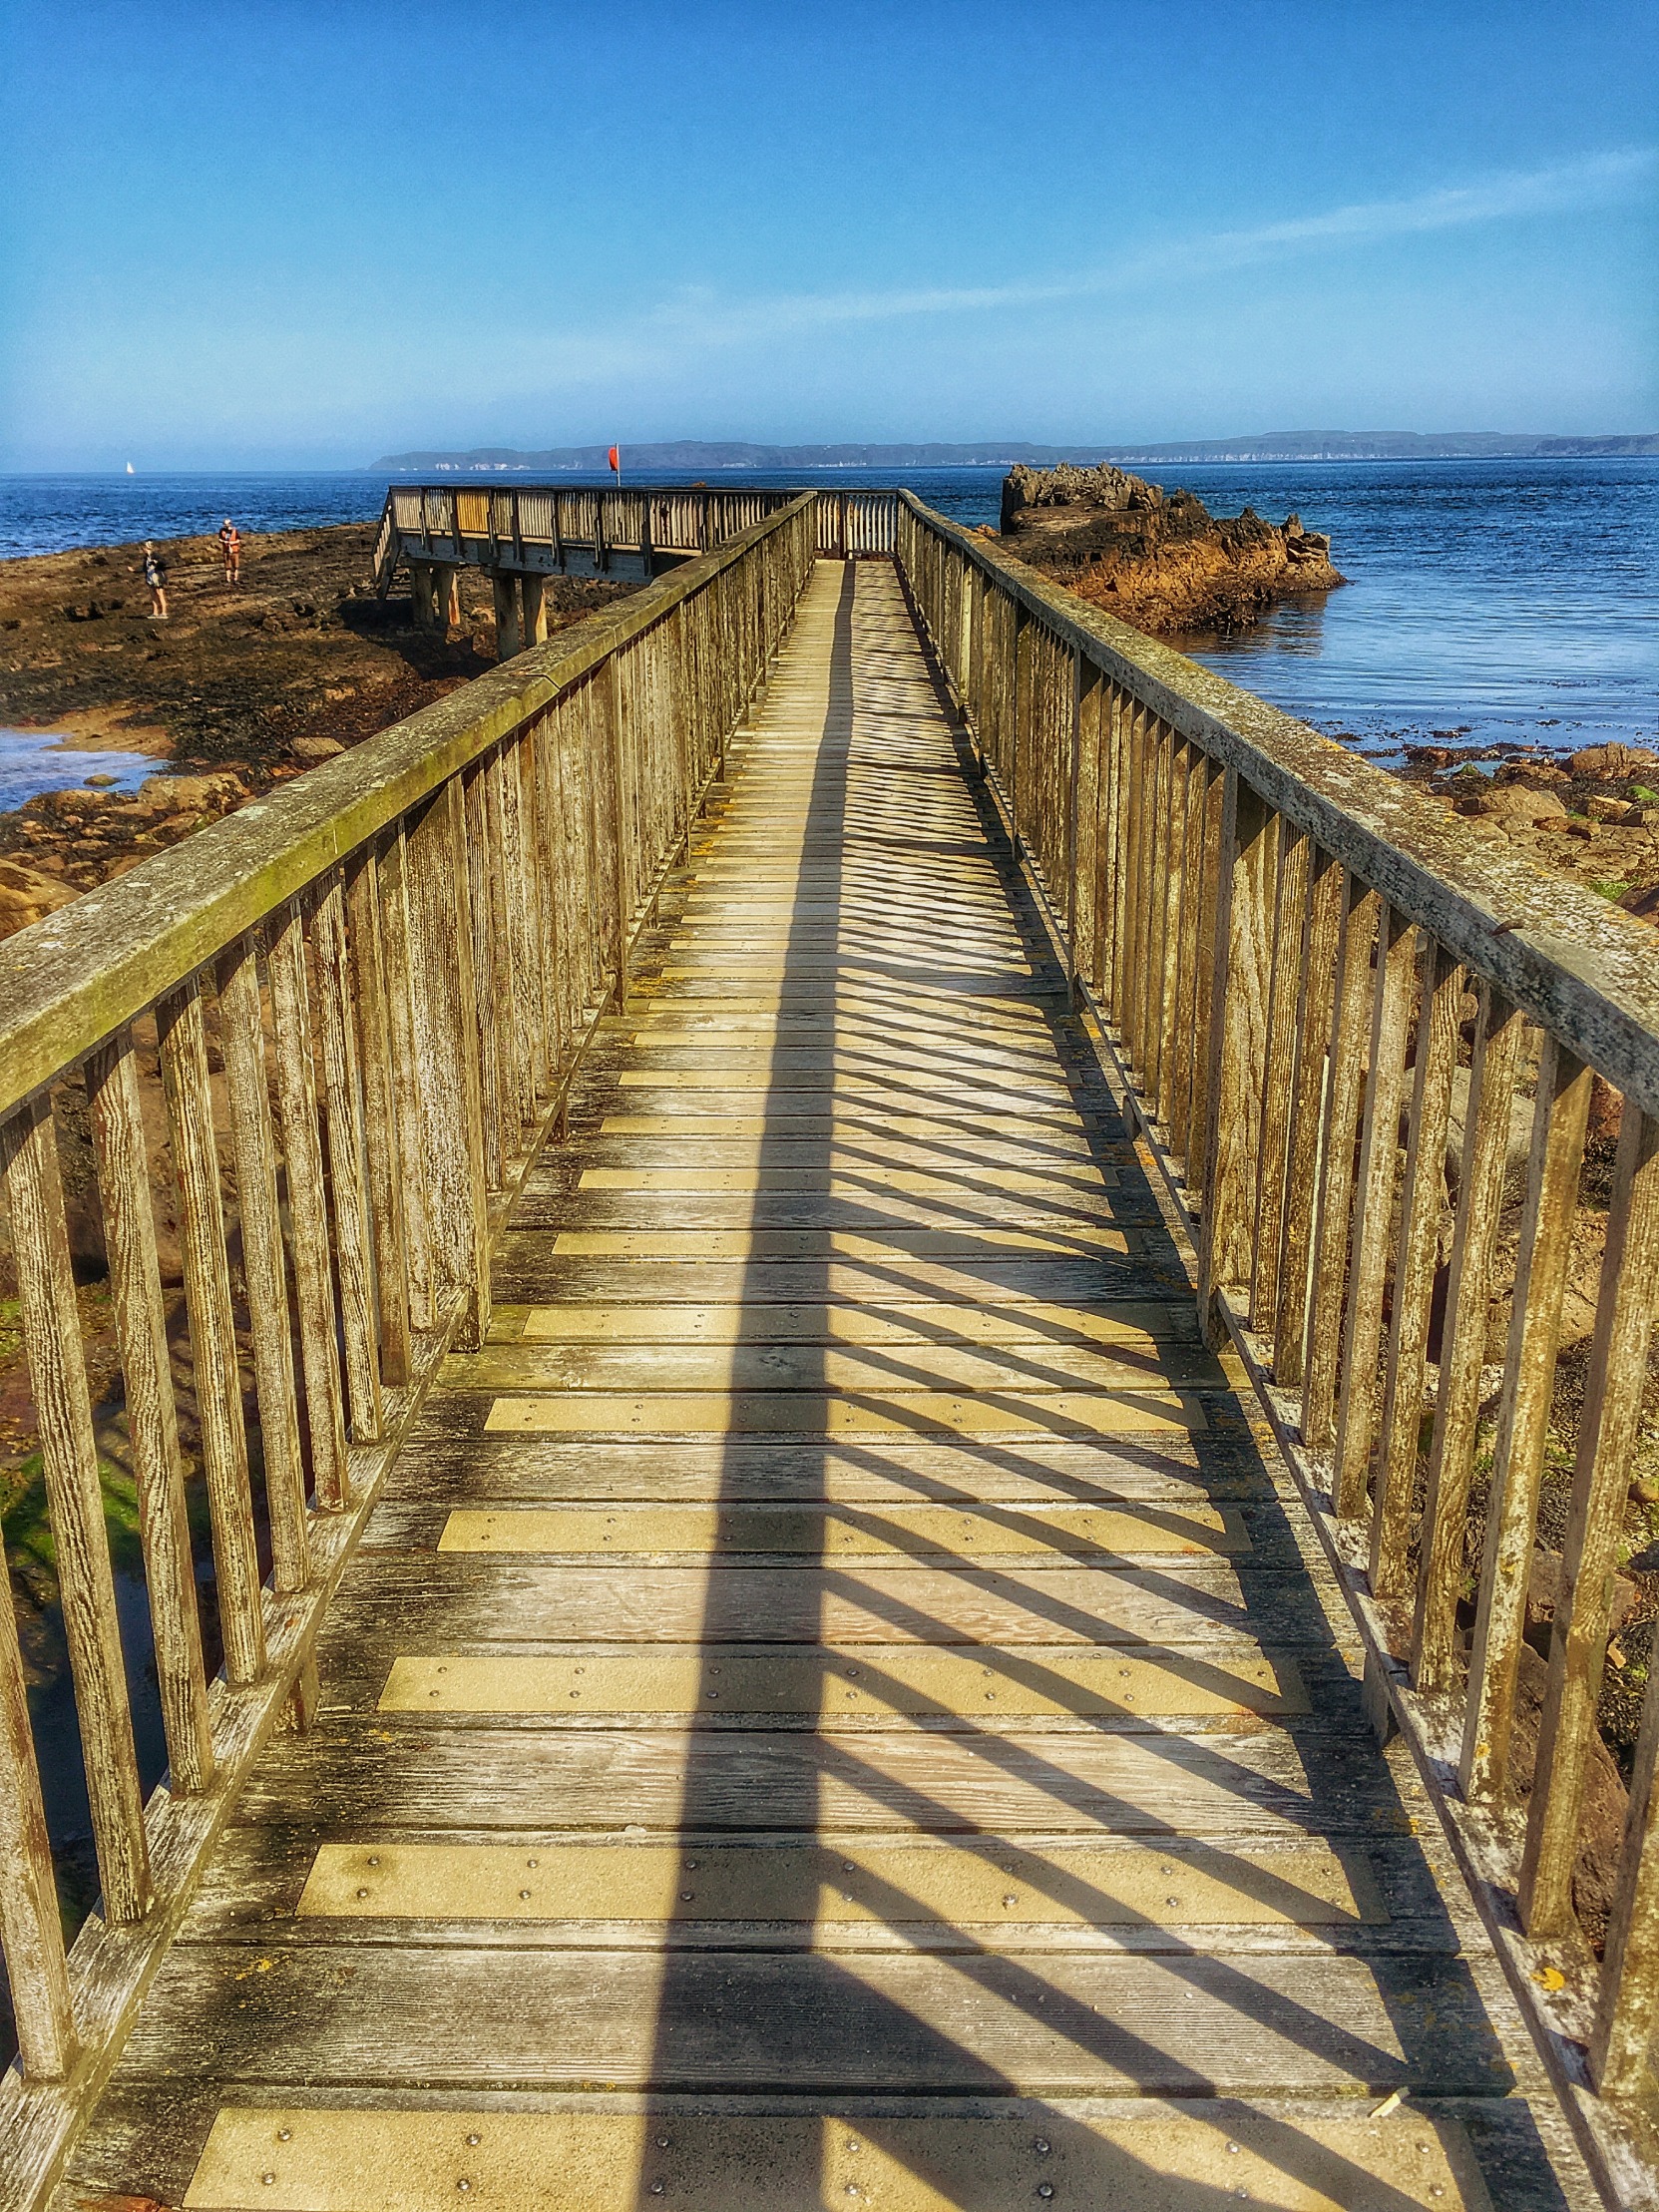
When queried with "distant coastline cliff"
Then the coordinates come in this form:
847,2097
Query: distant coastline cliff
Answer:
1275,445
1161,562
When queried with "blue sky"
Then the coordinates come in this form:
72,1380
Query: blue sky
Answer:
296,234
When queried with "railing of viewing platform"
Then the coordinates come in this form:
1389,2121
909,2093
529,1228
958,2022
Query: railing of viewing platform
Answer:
1303,970
515,519
365,1000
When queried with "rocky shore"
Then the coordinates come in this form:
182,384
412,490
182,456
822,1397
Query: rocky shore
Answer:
240,689
1591,815
1160,561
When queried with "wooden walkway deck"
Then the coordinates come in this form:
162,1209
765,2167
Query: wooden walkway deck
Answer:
835,1706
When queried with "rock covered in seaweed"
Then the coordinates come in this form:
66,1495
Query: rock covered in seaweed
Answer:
1160,561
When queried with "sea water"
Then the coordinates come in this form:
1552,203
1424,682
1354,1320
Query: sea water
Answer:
1488,602
36,761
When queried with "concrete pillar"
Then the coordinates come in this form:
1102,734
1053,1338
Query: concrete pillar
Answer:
508,635
533,591
448,597
426,606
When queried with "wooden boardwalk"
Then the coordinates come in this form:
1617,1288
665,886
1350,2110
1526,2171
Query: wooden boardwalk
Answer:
835,1706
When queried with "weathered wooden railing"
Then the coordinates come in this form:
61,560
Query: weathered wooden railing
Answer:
367,997
603,530
1277,940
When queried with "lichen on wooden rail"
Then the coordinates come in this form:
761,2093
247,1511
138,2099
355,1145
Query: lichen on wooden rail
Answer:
1289,952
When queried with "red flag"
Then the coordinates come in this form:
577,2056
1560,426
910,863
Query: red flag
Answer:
616,459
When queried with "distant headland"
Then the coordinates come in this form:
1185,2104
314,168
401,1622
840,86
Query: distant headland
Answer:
1273,445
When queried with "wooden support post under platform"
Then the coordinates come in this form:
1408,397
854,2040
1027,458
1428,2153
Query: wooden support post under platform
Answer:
509,633
422,579
446,595
532,593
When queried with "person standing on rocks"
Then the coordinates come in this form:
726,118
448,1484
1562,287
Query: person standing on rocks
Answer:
155,575
229,537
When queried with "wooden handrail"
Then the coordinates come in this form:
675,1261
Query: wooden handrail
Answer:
676,520
1281,945
397,964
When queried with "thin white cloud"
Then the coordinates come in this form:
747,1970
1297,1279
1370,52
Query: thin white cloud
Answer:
1594,180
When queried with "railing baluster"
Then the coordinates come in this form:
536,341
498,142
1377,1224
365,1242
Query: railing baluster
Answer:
242,1041
1168,826
214,1363
1310,1078
1350,1027
1560,1119
1614,1387
380,1115
354,1263
1421,1207
447,1053
75,1499
31,1930
296,1110
1211,952
1191,987
1499,1035
117,1119
526,1070
1237,1042
400,1031
1627,2006
1290,905
495,984
1357,1408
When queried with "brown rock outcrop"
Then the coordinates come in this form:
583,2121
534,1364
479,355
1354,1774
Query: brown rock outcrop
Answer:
1164,563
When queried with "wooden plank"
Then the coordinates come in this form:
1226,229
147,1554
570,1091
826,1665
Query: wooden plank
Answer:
1164,1600
1060,1412
369,1768
1139,2163
532,1266
1070,1532
791,1110
897,1679
1143,1330
996,1886
854,1177
987,1240
819,2025
887,1369
443,1467
806,1139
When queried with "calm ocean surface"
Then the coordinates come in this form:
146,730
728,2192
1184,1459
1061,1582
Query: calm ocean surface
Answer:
1503,601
